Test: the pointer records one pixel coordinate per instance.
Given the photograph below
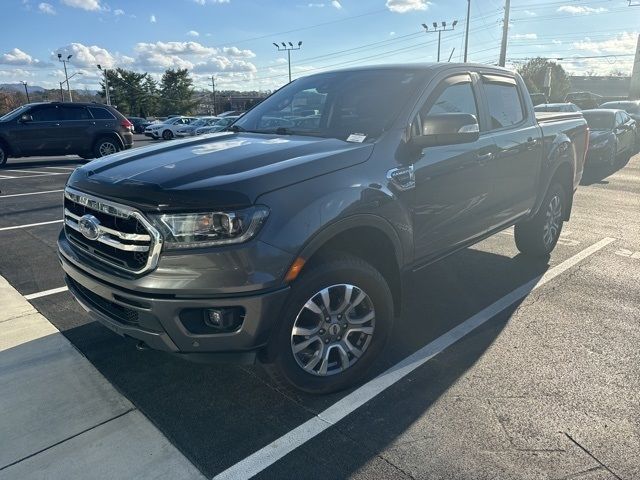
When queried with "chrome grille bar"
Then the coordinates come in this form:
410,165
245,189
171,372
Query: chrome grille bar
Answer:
110,241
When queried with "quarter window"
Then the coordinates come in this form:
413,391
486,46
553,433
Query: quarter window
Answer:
505,108
101,113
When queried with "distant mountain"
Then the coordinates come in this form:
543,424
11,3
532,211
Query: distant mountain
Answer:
18,87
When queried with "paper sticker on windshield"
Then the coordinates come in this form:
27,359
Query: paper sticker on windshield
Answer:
356,137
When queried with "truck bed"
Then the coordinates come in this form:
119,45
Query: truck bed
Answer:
547,117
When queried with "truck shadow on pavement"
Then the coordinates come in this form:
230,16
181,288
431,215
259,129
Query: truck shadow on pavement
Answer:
597,174
219,414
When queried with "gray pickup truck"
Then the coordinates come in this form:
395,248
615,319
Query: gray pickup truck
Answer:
288,238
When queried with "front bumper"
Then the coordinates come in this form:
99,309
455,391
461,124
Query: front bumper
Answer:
154,317
599,156
153,134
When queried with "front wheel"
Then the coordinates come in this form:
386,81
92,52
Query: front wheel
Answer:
335,324
538,236
167,134
3,155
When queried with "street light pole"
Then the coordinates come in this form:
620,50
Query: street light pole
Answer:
64,62
288,49
440,28
107,95
213,86
61,92
26,91
466,31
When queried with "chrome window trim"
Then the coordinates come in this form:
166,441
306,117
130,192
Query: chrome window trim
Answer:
122,211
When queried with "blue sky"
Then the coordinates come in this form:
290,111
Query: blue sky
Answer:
232,39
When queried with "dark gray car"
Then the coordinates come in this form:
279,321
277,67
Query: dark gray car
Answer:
87,129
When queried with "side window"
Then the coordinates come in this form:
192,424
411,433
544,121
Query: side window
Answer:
75,113
455,98
49,113
618,120
505,108
101,113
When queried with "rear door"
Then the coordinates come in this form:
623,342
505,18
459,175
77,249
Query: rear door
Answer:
41,136
75,129
452,183
516,166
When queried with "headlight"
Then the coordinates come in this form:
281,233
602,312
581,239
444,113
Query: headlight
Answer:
192,230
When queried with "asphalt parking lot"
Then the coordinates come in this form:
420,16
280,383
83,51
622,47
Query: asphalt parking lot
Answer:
545,385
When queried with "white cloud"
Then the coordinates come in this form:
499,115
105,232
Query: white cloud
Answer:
524,36
529,13
118,11
403,6
336,4
556,42
17,57
392,34
46,8
580,9
204,2
88,56
624,42
236,52
90,5
315,5
152,18
192,33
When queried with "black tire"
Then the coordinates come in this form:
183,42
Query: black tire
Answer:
167,135
531,238
104,145
345,269
4,155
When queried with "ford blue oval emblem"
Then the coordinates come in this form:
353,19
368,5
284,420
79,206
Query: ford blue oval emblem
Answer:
89,226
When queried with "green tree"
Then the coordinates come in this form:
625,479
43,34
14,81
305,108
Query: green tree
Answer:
176,92
534,72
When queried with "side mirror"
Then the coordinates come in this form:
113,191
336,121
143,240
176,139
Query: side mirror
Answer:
448,129
25,117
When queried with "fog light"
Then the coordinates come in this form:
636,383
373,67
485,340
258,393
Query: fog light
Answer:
225,319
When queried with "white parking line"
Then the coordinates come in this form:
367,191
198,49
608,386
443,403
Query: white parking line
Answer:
32,171
15,227
263,458
6,176
63,168
45,293
30,193
47,174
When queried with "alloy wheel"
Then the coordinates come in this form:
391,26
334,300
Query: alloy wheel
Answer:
333,329
107,148
553,220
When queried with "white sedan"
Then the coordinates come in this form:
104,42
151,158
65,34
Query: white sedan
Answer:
169,128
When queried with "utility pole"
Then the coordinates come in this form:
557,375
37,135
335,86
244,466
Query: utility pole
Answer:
107,94
634,88
439,28
505,32
61,92
213,86
288,49
26,91
64,62
466,31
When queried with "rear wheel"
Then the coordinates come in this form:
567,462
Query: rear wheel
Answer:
613,155
4,154
538,236
105,146
335,324
167,134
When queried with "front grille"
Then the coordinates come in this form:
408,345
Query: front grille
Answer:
112,310
120,236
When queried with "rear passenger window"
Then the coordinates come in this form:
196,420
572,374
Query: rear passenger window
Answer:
505,108
76,113
101,113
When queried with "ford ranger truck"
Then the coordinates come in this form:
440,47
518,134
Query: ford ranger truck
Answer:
288,237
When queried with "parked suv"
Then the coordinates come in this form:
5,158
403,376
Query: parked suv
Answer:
291,237
41,129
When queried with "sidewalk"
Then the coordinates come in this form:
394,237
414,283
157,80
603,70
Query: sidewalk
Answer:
60,419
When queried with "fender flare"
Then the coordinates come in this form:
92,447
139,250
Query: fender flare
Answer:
324,235
554,163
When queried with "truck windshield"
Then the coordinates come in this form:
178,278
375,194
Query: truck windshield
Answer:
599,120
335,105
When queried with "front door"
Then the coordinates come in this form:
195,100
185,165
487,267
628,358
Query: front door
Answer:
452,184
40,136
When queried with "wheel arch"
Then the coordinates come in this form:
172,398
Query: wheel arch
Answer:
107,134
367,237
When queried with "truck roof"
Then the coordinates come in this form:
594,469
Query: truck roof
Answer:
422,66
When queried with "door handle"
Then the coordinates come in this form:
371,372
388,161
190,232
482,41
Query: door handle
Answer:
484,157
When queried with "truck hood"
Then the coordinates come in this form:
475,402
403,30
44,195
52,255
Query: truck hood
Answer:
222,170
